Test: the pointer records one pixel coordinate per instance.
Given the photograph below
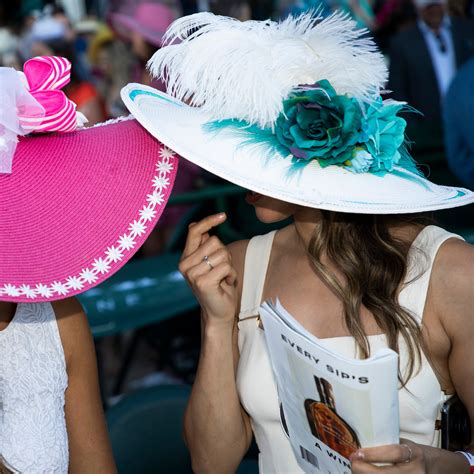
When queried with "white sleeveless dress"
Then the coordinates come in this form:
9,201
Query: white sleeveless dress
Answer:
33,380
420,401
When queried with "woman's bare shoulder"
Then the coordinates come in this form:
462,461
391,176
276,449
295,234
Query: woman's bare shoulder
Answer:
452,281
456,259
73,326
238,250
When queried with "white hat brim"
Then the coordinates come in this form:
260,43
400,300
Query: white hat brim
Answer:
181,128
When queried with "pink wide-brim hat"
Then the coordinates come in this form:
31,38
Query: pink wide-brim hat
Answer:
149,19
77,206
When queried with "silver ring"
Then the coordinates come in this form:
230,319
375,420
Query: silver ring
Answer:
410,453
206,259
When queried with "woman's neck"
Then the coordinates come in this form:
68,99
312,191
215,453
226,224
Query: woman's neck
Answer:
307,220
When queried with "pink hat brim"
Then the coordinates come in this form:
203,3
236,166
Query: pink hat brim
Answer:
77,206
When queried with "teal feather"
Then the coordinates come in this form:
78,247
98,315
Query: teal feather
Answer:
263,140
267,145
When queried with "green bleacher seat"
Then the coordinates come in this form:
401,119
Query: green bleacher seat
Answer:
145,430
143,292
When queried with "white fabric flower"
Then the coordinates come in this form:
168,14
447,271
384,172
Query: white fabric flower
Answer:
59,288
137,228
160,182
147,213
88,275
166,154
75,283
43,290
114,254
27,291
11,290
127,242
101,265
156,198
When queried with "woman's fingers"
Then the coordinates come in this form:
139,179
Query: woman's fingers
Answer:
406,457
204,266
393,453
214,277
205,252
198,232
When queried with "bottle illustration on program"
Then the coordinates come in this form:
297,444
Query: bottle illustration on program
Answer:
326,424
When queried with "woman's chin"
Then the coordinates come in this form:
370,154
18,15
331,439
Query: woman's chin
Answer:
252,197
269,210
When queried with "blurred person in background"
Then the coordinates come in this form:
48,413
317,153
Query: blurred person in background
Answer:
49,33
142,26
111,62
459,124
296,7
8,49
234,8
80,89
461,8
361,10
423,61
392,17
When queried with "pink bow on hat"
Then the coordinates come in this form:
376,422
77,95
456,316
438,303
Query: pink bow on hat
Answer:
45,76
33,101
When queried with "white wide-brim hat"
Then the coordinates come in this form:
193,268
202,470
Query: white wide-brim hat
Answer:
183,129
243,72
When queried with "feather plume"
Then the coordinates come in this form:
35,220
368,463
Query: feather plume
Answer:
244,70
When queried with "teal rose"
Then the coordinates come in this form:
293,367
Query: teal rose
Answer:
316,123
384,134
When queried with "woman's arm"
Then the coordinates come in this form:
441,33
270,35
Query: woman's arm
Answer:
89,446
216,428
452,289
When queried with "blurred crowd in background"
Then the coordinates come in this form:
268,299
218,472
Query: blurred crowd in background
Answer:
428,46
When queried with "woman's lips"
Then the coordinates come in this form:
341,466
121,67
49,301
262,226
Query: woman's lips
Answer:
252,197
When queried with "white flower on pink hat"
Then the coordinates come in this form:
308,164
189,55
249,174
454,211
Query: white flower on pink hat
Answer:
137,228
11,290
88,275
101,265
114,254
27,291
156,198
127,242
59,288
147,213
75,283
43,290
160,182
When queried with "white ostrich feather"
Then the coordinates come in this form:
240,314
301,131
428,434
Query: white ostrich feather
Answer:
244,70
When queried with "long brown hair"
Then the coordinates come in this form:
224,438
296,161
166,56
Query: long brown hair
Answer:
374,266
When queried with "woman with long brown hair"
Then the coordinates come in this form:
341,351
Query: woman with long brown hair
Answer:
292,112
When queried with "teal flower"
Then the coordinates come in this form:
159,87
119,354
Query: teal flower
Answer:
316,123
361,161
383,134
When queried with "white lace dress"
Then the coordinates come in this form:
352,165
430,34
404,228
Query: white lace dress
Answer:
33,380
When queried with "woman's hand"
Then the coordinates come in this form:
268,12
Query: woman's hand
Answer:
406,457
207,266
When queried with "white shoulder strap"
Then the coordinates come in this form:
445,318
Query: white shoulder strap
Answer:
420,264
255,270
